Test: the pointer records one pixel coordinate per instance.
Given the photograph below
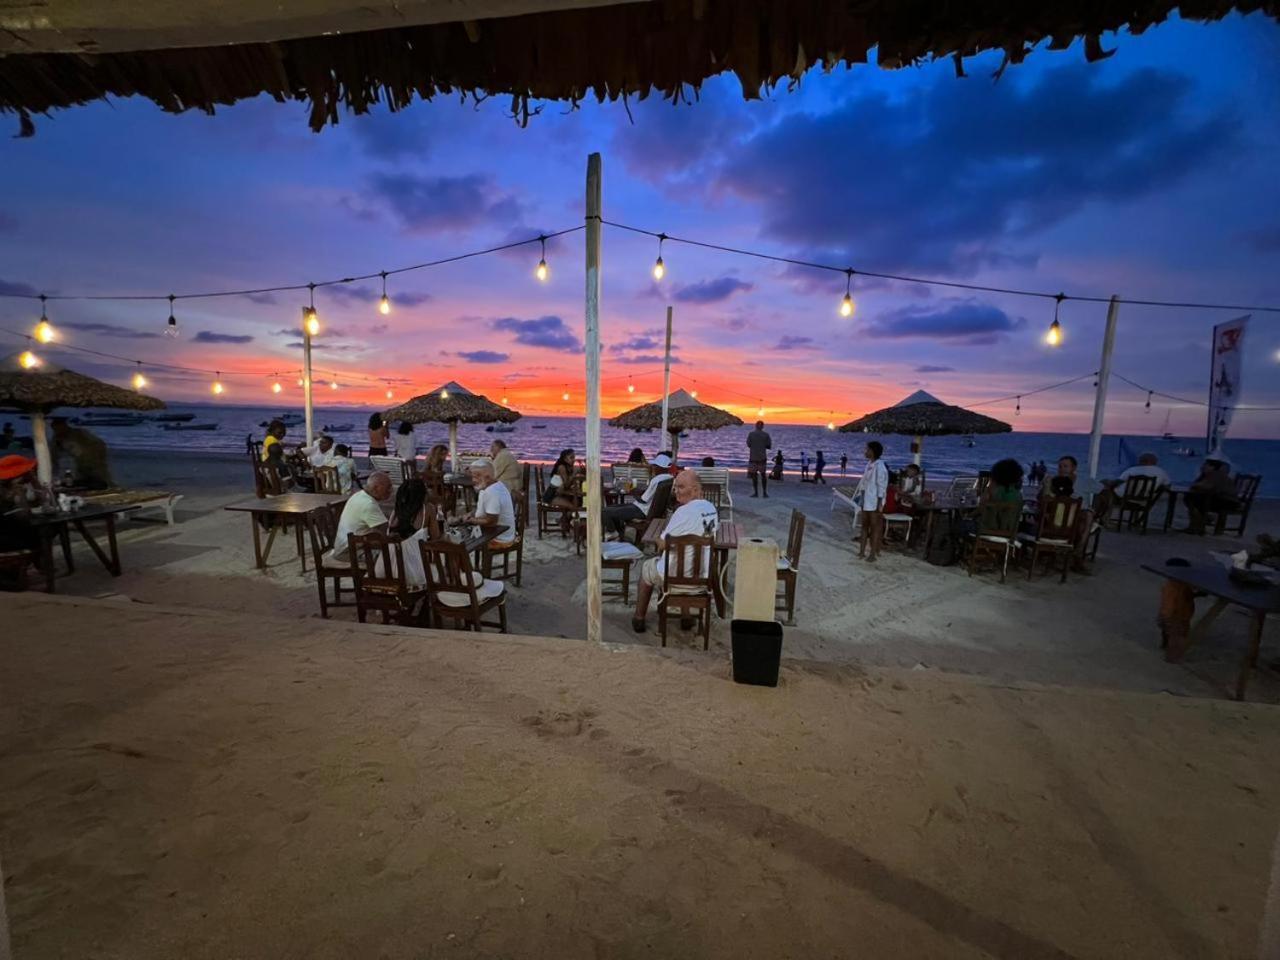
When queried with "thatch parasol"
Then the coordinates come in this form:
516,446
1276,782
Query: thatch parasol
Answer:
42,388
924,415
452,404
684,412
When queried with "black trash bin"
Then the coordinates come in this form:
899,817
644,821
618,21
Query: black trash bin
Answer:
757,651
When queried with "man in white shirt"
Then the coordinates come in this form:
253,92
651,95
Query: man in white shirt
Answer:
493,503
320,453
1147,468
362,513
873,488
695,516
616,518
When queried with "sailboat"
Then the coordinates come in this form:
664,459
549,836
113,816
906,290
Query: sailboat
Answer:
1165,434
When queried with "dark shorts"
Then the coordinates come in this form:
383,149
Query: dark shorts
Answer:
753,468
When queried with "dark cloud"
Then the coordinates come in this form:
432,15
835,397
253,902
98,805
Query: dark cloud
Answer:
107,330
444,203
930,368
208,336
483,356
1266,240
711,291
263,298
550,332
965,322
947,180
349,294
795,343
646,359
388,135
635,343
9,288
671,141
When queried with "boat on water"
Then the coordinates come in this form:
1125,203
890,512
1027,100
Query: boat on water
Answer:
538,426
188,426
1184,452
173,417
288,419
338,427
1164,431
500,428
969,440
109,420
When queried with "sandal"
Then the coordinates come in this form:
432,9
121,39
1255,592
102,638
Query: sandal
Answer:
637,625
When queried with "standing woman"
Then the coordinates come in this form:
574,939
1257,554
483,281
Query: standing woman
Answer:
378,435
406,449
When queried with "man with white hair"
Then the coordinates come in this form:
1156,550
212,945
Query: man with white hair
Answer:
617,517
493,503
695,516
362,514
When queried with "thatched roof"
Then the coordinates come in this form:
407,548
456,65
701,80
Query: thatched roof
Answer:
48,386
337,56
924,415
684,412
449,403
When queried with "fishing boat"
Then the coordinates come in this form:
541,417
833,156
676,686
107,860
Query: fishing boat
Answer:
109,420
538,426
1165,434
173,417
288,419
500,428
188,426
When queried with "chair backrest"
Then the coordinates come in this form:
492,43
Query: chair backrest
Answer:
688,562
1140,488
375,563
267,481
524,490
322,527
327,480
795,539
661,501
1059,516
984,480
999,518
960,485
448,568
466,458
540,482
395,468
1247,486
520,506
635,472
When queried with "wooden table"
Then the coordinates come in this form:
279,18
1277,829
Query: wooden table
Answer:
50,526
939,504
727,537
281,511
1213,579
1172,492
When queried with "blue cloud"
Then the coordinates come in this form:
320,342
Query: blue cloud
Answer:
9,288
712,291
549,332
346,293
635,343
930,368
795,343
483,356
108,330
444,203
965,322
208,336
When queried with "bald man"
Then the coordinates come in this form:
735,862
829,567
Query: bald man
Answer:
694,516
362,513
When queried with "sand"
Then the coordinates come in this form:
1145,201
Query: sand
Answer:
189,783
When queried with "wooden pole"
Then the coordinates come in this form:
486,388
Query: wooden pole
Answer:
40,440
306,381
919,445
1104,377
595,631
453,446
666,379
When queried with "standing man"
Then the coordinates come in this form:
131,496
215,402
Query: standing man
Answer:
874,487
818,466
758,445
804,467
844,463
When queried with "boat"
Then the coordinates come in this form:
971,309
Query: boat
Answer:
288,419
173,417
188,426
1184,452
644,429
500,428
338,427
1165,434
969,440
684,434
109,420
538,426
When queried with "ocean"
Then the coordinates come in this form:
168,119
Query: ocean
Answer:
542,438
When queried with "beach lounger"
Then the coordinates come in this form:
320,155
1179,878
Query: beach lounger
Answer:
395,468
844,495
637,473
143,499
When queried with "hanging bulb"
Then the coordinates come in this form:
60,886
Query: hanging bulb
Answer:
333,384
171,328
300,381
390,394
760,412
139,381
44,331
694,394
276,387
444,394
310,321
831,424
28,360
565,395
631,387
1054,337
1149,393
1017,409
217,384
504,401
659,268
846,305
384,305
542,272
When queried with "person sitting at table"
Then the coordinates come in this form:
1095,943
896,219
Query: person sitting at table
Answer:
379,435
437,457
616,518
506,468
345,467
637,456
406,449
320,453
273,452
413,521
1147,467
561,480
693,516
276,431
1212,490
362,513
88,455
493,504
1006,483
910,485
1083,487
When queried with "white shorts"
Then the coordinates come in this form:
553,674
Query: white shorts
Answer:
650,572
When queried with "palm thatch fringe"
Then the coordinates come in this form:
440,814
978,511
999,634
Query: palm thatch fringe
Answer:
925,420
49,386
452,403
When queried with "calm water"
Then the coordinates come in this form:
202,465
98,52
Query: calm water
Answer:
943,456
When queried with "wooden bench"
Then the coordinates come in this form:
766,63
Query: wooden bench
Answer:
158,500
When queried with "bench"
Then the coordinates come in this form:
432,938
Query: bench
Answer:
143,499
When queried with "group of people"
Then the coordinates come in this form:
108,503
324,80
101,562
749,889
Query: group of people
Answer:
759,443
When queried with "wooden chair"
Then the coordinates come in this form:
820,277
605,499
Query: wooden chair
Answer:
456,592
996,535
789,567
548,510
326,480
961,485
526,471
637,473
1137,498
322,527
490,553
717,480
1057,532
378,573
398,470
686,583
1246,489
619,556
657,508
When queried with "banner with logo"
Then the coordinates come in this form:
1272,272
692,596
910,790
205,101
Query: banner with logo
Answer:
1224,382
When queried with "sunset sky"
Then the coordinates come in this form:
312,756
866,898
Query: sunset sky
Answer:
1151,175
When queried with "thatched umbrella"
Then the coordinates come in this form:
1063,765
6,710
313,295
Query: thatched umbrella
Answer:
684,412
924,415
452,404
38,389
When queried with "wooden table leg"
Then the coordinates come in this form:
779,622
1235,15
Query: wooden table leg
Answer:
1251,655
257,542
1172,498
111,562
46,560
717,586
297,529
1199,628
64,534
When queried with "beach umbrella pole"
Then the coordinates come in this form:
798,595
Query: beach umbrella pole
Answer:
666,378
306,382
918,444
591,340
1104,377
453,446
40,439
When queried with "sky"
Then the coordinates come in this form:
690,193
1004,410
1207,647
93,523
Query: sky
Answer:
1150,175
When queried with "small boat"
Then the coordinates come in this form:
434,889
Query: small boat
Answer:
1184,451
500,428
288,419
188,426
538,426
969,440
338,427
109,420
684,435
173,417
644,429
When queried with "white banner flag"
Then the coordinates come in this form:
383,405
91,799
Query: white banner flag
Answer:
1224,382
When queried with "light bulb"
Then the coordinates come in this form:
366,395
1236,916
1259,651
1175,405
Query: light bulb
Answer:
333,384
299,381
28,360
565,395
312,322
1054,336
444,394
384,305
831,424
542,271
694,394
171,328
504,401
760,412
275,387
139,381
659,269
631,388
217,388
846,306
390,394
45,332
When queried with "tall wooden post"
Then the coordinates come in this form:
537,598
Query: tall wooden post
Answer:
666,381
40,440
592,340
1104,378
306,378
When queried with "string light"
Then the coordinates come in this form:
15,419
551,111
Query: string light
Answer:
444,394
831,424
333,384
504,401
1054,336
390,394
301,382
1017,408
171,328
565,395
217,384
631,387
659,268
28,360
846,305
542,272
694,394
276,386
139,381
1149,393
761,410
384,305
310,320
44,331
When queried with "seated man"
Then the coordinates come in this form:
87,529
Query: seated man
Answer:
320,453
361,514
1213,490
615,519
1147,468
1083,487
506,468
87,452
493,503
694,516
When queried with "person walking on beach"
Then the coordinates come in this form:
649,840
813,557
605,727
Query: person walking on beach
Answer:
804,467
817,468
844,463
758,444
778,461
873,488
